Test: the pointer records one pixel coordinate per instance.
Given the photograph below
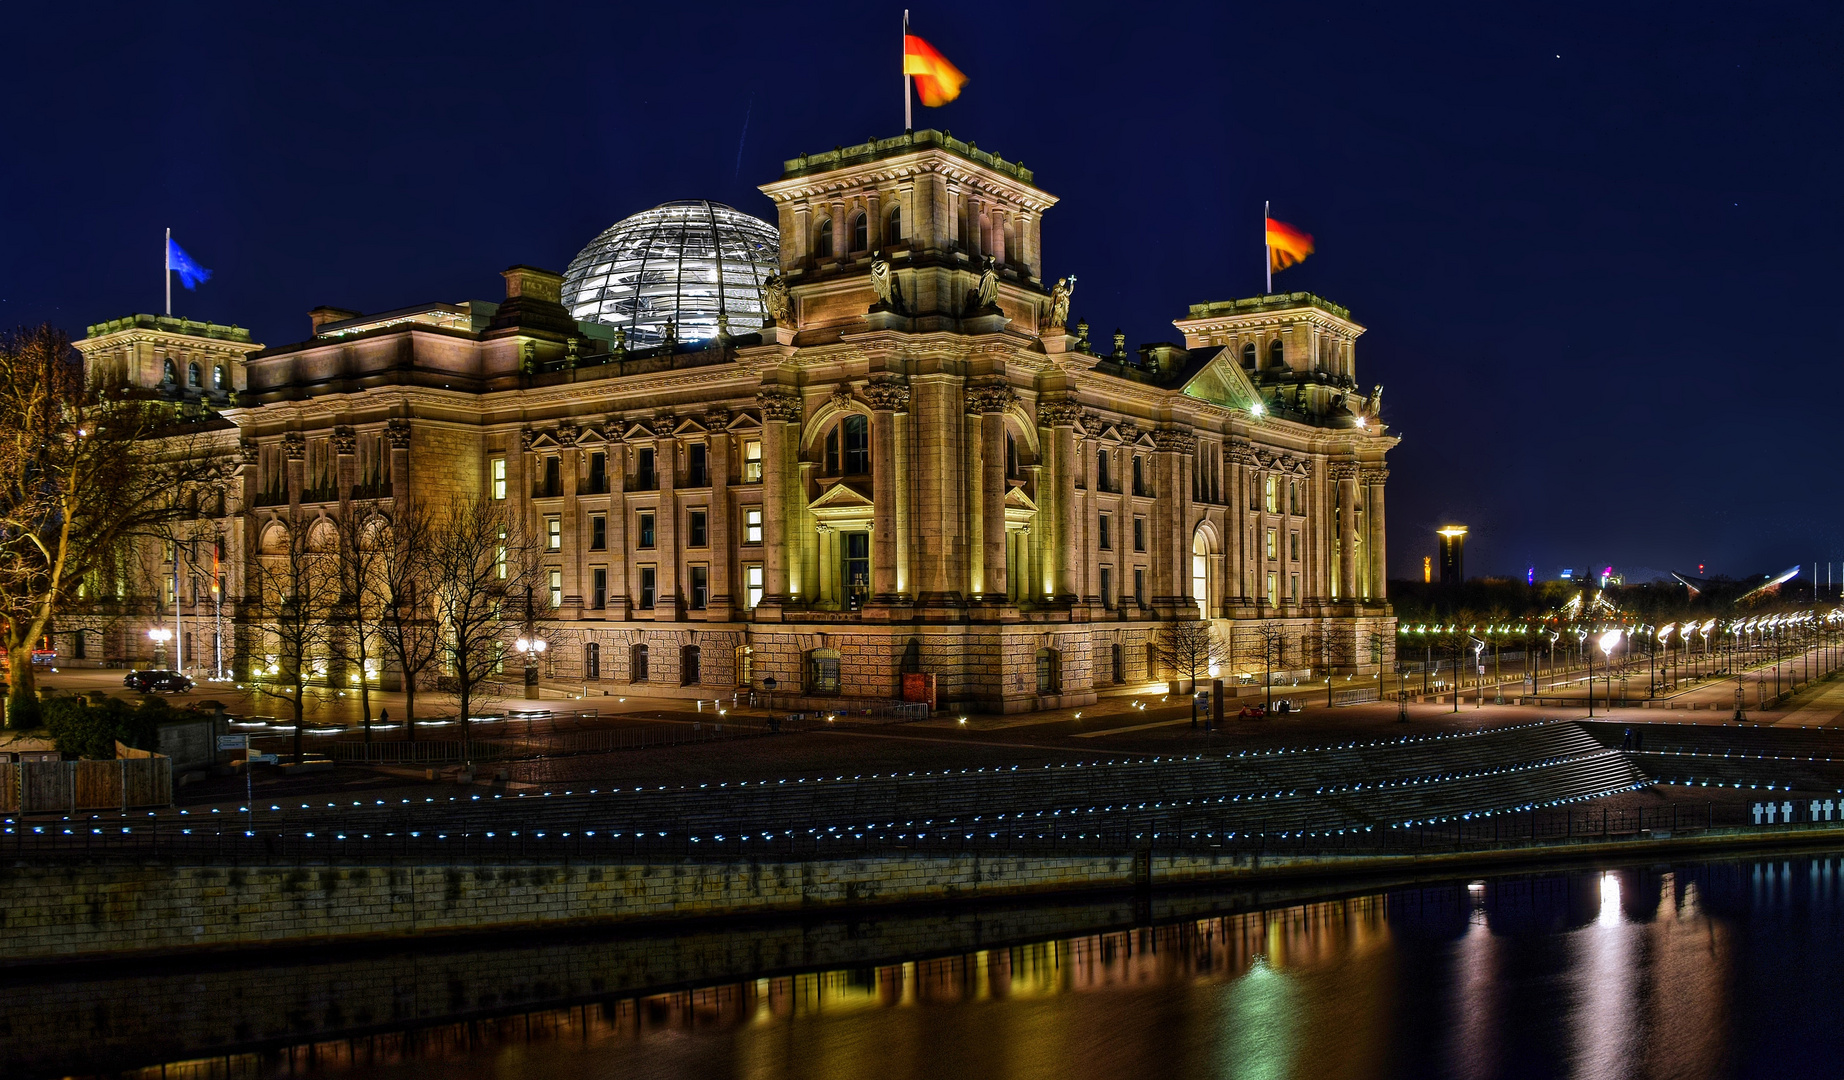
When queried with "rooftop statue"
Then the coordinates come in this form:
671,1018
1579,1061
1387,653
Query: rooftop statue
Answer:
883,279
775,298
987,295
1059,302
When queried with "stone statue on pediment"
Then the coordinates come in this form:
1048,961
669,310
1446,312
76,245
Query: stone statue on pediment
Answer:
775,301
1059,302
987,295
883,279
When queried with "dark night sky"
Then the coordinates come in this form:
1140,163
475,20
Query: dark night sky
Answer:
1596,246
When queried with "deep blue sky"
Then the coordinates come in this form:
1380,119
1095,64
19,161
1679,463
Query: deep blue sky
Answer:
1596,245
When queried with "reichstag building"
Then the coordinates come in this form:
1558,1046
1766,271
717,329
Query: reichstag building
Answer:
863,441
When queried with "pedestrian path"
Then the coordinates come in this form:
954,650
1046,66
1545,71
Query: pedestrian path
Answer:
1823,709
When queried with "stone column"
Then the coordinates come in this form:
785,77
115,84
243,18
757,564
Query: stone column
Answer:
1373,519
1237,460
1170,547
294,454
1060,417
619,588
888,395
718,606
397,437
573,544
345,466
992,398
1345,473
669,588
781,409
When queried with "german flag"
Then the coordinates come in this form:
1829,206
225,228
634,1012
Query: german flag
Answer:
1286,245
937,81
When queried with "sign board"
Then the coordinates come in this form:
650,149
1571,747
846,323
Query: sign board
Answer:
233,742
262,759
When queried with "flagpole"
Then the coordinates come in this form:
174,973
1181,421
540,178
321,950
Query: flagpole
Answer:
908,123
1266,247
166,269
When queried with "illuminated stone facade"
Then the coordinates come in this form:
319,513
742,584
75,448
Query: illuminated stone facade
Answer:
914,471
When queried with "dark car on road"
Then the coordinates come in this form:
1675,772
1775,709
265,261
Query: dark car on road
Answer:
156,681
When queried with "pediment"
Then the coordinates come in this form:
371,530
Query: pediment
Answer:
1221,381
690,427
1016,499
842,496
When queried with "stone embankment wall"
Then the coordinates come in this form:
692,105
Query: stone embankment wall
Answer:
50,913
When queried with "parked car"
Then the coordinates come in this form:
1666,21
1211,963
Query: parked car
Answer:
157,681
1253,712
44,656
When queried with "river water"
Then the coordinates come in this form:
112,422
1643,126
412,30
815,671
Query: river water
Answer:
1691,970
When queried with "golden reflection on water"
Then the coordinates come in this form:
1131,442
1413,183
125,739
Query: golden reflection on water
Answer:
1312,991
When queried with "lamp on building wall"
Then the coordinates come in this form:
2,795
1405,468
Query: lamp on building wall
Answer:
160,635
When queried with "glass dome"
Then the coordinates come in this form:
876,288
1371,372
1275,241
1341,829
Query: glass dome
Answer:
685,262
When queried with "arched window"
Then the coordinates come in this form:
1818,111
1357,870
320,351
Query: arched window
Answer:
823,671
1277,357
857,445
1248,356
822,239
171,371
637,664
1120,663
1049,672
217,377
1200,572
194,377
690,658
895,230
861,232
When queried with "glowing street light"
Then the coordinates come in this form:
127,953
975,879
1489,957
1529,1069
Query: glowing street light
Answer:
1607,642
160,635
530,648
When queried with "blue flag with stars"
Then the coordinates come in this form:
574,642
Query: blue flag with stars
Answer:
190,273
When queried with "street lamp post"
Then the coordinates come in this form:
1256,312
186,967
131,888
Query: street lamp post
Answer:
530,649
160,635
1608,640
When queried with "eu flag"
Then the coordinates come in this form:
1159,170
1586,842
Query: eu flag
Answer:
190,273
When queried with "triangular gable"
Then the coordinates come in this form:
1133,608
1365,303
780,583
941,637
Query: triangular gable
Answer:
841,496
638,431
1016,499
544,440
1222,381
690,427
743,422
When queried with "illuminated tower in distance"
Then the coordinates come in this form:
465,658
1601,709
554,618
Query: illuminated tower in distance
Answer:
1453,554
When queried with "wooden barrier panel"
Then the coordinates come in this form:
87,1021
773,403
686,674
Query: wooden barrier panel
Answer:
51,786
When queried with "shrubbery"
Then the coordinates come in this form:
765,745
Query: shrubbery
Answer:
91,730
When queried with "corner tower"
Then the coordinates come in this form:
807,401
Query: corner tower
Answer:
933,209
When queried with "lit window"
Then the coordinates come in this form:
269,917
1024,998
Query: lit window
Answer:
1272,545
752,461
499,477
499,556
556,582
1271,498
752,526
752,584
553,534
1273,588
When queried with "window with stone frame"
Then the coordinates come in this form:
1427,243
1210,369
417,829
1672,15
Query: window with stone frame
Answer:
646,531
691,662
637,664
649,581
822,238
752,461
598,532
592,660
697,471
752,525
1049,672
697,532
1107,587
700,587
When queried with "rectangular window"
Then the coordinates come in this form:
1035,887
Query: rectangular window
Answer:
1139,534
1272,547
752,584
1270,492
700,587
552,484
646,529
556,583
598,588
648,578
1107,586
592,660
696,529
1139,476
857,447
498,471
553,534
1104,533
752,526
857,560
1273,589
1293,545
499,556
1103,480
1293,588
598,532
1139,585
697,470
643,470
598,473
1293,497
752,461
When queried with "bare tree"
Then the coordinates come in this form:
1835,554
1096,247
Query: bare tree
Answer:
359,556
487,575
86,468
298,591
1186,649
1273,637
404,597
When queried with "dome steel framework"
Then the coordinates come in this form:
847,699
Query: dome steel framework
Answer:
684,263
